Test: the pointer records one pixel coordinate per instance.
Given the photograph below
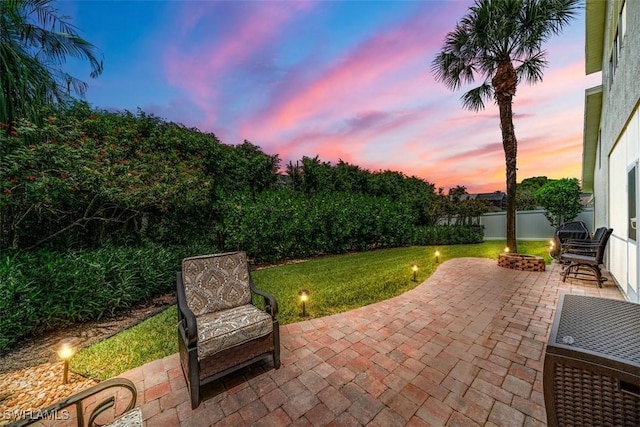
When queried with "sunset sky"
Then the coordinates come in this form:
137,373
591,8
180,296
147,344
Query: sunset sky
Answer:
346,80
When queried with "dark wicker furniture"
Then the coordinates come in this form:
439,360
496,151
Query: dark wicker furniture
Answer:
112,400
583,258
219,328
568,231
597,236
592,363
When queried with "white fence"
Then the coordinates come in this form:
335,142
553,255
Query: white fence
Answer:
530,225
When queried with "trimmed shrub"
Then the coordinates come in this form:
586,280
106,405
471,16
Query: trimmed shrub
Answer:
276,225
447,235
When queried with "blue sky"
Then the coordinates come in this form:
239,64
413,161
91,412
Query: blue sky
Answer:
346,80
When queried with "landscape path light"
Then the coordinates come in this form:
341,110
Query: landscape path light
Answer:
304,297
415,271
66,348
437,257
506,249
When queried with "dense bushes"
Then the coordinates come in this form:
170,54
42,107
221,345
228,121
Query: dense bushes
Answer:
126,196
287,224
44,289
448,235
86,176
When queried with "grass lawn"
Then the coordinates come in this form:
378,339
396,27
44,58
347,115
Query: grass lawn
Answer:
336,284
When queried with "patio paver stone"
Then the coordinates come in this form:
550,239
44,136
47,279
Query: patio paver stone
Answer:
464,348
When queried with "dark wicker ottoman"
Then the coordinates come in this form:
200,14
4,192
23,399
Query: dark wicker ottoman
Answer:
592,363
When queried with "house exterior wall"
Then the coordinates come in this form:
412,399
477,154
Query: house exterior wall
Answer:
619,141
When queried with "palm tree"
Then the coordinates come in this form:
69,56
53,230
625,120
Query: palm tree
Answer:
35,42
500,43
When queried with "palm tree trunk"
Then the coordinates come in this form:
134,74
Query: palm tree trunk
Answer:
504,84
510,146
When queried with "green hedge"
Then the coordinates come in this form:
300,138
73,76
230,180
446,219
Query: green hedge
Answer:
50,289
276,225
447,235
284,224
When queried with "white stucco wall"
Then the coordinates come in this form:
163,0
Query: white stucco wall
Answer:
618,148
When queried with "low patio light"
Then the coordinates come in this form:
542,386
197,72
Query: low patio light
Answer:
304,297
66,348
415,271
437,257
506,249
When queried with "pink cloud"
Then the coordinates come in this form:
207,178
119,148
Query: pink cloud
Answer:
203,70
382,72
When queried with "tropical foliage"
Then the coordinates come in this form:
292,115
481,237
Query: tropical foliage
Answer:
87,177
44,289
499,42
35,43
561,200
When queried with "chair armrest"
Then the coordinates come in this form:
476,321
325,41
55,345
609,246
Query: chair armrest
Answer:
78,399
186,319
580,246
576,241
270,303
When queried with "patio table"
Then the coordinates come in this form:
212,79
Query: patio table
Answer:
592,363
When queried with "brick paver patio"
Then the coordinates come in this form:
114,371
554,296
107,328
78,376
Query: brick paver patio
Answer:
464,348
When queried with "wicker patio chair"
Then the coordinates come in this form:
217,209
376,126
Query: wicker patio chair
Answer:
219,328
579,256
567,231
575,244
110,403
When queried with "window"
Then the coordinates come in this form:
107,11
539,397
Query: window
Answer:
632,195
621,30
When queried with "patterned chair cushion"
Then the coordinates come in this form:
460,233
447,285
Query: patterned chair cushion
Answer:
216,282
221,330
133,418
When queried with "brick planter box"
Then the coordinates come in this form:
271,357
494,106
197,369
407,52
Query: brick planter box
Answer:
521,262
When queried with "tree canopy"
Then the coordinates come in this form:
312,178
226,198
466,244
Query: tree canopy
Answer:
560,199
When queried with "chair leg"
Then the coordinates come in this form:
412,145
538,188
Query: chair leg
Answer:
195,395
565,271
598,273
575,268
194,379
276,344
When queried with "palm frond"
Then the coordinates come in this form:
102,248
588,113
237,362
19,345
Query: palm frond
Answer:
474,99
35,43
530,70
500,31
541,19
